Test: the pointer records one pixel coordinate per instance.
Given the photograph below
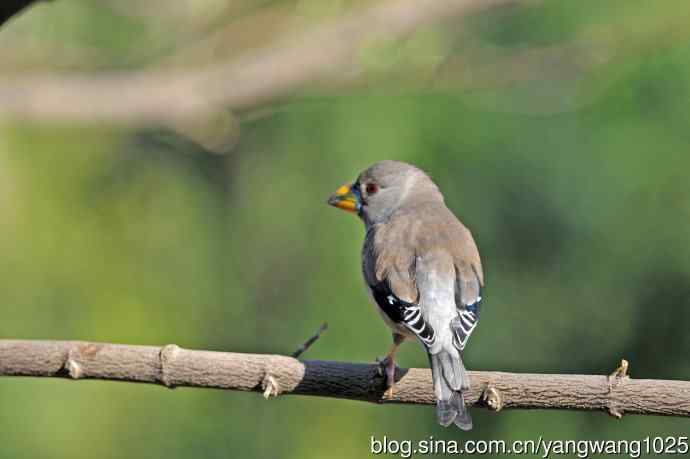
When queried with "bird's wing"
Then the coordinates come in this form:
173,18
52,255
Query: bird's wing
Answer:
464,324
409,315
389,271
468,266
453,254
469,280
390,257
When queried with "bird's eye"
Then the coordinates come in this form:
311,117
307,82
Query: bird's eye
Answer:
372,188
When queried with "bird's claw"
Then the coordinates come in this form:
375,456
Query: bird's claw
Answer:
389,393
386,368
381,365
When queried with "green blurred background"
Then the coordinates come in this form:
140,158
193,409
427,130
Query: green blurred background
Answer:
566,153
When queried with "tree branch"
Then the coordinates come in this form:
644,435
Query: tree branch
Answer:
262,75
274,375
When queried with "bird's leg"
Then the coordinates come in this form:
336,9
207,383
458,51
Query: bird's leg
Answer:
389,365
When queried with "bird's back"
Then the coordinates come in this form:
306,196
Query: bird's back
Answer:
428,230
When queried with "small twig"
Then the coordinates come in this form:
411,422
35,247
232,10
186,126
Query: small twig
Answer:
307,344
618,374
614,379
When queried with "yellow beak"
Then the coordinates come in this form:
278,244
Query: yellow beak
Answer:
344,199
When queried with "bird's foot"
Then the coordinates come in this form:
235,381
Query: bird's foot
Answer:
387,368
380,366
389,393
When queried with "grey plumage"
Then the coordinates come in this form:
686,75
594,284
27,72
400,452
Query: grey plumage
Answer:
417,255
450,380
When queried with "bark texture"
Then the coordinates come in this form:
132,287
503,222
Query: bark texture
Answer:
275,375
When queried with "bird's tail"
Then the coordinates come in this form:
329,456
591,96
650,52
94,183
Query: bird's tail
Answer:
450,381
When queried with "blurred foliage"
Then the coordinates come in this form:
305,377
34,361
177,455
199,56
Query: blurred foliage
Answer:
124,235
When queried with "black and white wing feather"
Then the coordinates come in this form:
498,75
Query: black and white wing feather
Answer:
401,312
464,324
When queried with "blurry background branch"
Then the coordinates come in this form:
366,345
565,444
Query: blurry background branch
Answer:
214,80
275,375
252,79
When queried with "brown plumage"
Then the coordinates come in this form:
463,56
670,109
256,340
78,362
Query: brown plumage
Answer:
391,247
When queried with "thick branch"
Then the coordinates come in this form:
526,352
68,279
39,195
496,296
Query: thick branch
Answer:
275,375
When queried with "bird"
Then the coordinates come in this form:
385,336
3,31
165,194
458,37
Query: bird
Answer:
423,273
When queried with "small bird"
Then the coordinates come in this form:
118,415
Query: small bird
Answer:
423,273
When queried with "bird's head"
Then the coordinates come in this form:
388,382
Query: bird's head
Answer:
384,188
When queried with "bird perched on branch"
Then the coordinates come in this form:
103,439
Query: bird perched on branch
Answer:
423,273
